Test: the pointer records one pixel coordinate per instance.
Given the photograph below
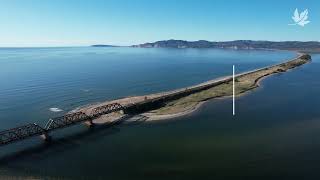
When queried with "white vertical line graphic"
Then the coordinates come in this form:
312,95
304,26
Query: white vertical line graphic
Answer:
233,92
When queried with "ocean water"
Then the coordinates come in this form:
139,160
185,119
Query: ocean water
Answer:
273,135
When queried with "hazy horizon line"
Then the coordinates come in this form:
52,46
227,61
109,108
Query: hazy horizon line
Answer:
115,45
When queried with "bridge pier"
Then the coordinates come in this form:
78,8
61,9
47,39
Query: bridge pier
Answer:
90,123
46,137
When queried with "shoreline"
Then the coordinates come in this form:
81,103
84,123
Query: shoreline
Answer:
153,118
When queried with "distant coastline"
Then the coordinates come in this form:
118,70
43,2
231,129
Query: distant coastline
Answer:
298,46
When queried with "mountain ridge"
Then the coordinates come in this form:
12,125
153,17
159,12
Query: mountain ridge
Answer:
301,46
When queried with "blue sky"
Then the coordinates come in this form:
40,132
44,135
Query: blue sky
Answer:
126,22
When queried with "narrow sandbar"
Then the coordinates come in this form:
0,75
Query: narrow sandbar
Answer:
172,104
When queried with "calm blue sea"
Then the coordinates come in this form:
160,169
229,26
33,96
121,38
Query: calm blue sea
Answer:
275,133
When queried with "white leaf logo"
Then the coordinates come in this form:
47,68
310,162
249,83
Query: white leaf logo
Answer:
300,19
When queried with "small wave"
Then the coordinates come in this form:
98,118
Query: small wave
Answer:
85,90
55,109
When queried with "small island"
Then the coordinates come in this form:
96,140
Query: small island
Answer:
103,45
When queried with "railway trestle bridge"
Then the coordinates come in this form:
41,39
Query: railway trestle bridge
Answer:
30,130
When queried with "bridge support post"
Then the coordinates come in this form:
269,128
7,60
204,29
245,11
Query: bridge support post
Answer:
89,123
45,137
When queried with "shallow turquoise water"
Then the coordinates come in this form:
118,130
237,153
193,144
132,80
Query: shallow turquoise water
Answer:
274,134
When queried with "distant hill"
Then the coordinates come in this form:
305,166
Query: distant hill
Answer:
309,46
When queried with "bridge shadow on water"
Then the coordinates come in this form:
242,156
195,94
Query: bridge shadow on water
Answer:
58,145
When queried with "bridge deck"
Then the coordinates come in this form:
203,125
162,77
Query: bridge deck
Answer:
30,130
20,133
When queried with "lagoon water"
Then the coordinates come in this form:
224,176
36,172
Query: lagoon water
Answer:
275,133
